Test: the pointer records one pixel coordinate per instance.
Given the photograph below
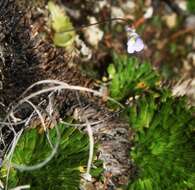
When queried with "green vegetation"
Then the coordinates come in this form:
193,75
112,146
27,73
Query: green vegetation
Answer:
62,172
164,143
60,23
191,6
162,126
130,77
164,150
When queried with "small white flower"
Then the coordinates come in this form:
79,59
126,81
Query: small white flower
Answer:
134,43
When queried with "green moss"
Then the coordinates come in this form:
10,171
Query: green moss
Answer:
62,172
164,143
191,5
130,77
164,149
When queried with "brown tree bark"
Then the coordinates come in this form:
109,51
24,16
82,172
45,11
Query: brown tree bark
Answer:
28,56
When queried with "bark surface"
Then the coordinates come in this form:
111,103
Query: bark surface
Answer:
28,55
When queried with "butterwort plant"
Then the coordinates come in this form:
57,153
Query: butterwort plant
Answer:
61,26
135,43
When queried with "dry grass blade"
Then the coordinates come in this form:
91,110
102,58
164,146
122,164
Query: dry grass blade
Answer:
21,187
26,98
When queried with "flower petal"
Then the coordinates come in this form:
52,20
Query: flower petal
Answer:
130,49
134,43
139,45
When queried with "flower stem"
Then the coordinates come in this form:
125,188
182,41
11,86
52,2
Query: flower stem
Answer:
93,24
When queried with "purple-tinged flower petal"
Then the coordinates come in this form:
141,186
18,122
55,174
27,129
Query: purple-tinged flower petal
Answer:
139,45
134,43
